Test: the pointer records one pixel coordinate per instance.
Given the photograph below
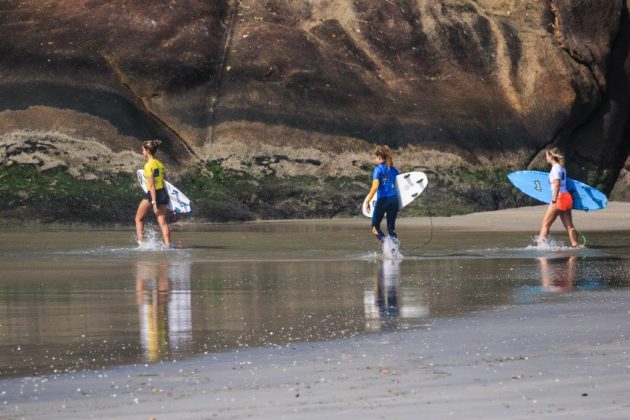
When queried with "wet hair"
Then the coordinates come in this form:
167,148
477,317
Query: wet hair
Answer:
151,146
554,153
385,153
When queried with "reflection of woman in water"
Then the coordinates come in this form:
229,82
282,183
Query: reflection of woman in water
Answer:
156,197
558,277
164,308
152,289
381,303
561,200
386,289
386,306
384,186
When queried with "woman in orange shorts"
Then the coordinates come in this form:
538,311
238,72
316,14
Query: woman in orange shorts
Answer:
561,200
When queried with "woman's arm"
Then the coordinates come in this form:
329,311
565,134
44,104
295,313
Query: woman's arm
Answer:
151,187
375,183
556,190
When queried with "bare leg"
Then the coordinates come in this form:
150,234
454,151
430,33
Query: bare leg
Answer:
166,231
550,217
139,291
567,221
545,272
143,210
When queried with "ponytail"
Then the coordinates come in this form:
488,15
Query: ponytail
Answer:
151,146
385,153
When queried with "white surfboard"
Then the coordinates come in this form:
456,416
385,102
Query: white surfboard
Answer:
409,186
178,202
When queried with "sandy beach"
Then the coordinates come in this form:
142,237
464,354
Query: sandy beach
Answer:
615,217
524,219
563,359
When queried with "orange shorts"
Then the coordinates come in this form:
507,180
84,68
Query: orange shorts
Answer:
564,201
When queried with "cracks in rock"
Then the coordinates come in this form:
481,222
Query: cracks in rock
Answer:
556,24
617,146
122,79
267,161
506,74
618,88
29,146
536,152
350,23
215,94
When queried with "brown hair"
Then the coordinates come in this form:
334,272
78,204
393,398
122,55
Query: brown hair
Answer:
385,153
554,152
151,146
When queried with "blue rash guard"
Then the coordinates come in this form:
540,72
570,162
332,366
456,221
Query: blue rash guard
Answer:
386,200
386,180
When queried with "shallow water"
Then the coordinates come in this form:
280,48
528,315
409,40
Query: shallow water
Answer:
86,299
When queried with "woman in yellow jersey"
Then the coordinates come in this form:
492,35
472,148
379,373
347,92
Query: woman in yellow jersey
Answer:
157,197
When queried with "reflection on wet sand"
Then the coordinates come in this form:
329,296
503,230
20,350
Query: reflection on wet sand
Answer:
562,275
383,305
80,306
559,277
164,309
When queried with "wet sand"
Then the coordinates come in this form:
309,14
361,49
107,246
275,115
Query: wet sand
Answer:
568,359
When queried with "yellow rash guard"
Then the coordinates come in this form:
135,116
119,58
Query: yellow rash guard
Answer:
155,169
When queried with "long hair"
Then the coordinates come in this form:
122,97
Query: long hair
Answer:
151,146
385,153
554,153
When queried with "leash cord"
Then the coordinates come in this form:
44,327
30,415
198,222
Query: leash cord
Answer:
582,237
408,252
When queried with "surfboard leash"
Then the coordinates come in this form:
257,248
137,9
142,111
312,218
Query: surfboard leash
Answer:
408,252
582,237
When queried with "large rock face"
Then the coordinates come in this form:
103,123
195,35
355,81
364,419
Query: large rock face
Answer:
466,90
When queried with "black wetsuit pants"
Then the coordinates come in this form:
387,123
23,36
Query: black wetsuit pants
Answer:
385,206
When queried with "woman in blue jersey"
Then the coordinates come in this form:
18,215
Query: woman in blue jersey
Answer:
384,186
156,198
561,199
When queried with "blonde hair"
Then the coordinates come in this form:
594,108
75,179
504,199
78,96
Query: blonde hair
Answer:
385,153
554,153
151,146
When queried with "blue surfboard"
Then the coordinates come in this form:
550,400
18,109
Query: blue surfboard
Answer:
536,185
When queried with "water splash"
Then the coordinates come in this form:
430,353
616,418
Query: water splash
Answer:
391,248
548,244
369,256
152,241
